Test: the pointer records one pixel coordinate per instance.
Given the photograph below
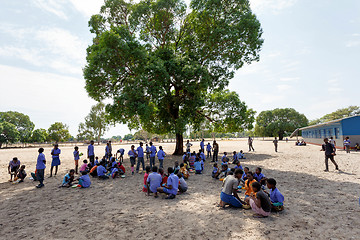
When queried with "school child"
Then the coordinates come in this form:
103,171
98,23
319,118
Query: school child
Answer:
224,171
76,158
147,149
198,167
229,194
121,168
215,172
84,166
96,161
40,168
112,164
192,160
84,180
176,167
208,149
101,171
172,185
153,181
259,201
153,152
132,154
93,170
244,176
235,158
276,198
260,177
68,179
248,184
238,165
21,173
202,155
182,183
13,168
146,175
161,155
184,171
224,158
55,153
163,176
241,155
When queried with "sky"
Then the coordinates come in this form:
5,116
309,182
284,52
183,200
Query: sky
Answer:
309,60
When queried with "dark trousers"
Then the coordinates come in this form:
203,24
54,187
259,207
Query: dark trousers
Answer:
152,162
40,175
215,156
251,147
208,154
331,157
140,159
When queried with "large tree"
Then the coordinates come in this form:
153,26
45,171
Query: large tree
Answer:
39,135
22,123
59,132
277,122
161,62
8,133
95,124
340,113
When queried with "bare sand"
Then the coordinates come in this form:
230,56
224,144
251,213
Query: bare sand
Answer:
318,205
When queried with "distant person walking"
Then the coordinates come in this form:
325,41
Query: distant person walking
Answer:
329,154
276,144
347,144
216,151
250,143
90,153
202,145
55,153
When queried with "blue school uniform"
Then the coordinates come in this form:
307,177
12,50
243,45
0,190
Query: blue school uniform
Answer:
173,180
101,170
202,145
259,177
140,152
76,155
91,150
208,147
40,161
161,154
66,179
153,151
239,167
85,181
202,156
154,179
276,196
198,166
121,151
55,159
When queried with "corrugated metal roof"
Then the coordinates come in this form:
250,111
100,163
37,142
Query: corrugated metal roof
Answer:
328,123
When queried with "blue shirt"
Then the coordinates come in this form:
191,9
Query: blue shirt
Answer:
86,182
121,151
173,180
101,170
154,179
147,149
91,150
161,154
208,147
215,170
107,150
276,196
202,155
197,166
202,144
40,161
259,177
153,151
76,155
131,154
66,179
235,157
55,151
140,151
239,167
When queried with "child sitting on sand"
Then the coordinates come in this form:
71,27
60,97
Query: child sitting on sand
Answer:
182,183
84,166
215,172
84,180
260,177
235,158
276,198
101,171
184,171
115,172
68,179
259,201
248,184
21,174
153,182
121,168
163,176
198,167
224,158
241,155
146,175
93,170
224,171
172,185
244,176
192,160
176,167
357,147
238,165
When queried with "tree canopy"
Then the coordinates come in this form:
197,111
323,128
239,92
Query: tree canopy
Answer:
39,135
8,133
59,132
21,122
338,114
163,64
95,124
277,122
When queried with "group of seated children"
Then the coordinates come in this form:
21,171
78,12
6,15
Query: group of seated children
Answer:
302,143
104,169
16,170
256,198
81,182
170,184
194,161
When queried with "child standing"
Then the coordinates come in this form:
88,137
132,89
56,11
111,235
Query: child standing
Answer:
146,175
132,154
40,168
76,158
55,153
161,155
208,149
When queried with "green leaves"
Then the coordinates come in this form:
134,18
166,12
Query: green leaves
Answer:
39,135
8,133
22,123
59,132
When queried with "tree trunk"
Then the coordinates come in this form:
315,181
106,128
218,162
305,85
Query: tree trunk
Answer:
179,149
281,136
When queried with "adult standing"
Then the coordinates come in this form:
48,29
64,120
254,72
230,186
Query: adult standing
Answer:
90,152
229,191
216,151
55,153
347,144
202,145
40,168
275,144
188,146
152,154
140,154
250,143
329,154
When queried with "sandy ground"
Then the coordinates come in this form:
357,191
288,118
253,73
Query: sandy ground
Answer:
319,205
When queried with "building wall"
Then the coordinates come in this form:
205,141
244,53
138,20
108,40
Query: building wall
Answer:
351,126
316,135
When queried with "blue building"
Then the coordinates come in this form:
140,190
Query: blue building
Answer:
338,129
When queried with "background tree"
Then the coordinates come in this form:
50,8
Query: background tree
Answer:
277,122
340,113
22,123
95,124
39,135
59,132
159,60
129,137
8,133
142,135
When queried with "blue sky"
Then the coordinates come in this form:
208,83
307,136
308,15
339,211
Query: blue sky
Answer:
309,60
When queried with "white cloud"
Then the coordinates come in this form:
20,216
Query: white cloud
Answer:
87,7
352,43
289,79
283,87
52,6
273,6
